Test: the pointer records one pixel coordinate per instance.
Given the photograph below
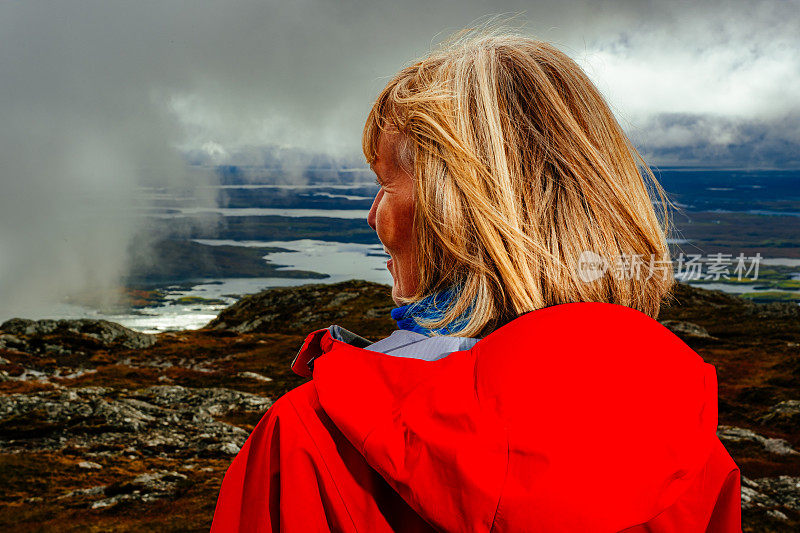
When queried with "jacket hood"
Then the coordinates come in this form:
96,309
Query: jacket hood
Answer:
582,416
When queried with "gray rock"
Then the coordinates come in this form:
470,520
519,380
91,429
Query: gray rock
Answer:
29,335
162,421
300,309
785,415
253,375
10,341
772,493
146,487
340,298
686,329
91,491
776,446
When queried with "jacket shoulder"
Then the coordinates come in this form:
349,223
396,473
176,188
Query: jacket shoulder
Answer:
297,472
580,323
279,480
602,393
571,340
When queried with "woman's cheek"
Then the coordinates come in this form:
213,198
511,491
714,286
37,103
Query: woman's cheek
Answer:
386,223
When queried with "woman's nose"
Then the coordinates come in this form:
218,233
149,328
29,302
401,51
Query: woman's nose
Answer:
373,210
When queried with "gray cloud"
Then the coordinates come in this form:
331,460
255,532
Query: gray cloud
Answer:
100,98
707,140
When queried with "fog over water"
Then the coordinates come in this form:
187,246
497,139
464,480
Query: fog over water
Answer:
341,261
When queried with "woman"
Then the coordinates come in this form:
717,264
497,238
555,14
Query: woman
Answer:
526,389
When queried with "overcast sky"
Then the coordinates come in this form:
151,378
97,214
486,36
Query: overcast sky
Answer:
97,98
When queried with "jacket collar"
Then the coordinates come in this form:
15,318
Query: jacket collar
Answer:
321,341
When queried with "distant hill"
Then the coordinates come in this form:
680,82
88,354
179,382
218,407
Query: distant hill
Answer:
173,260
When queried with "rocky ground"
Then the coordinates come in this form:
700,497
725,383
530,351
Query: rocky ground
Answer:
106,429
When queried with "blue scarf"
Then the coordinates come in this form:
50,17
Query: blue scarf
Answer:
432,306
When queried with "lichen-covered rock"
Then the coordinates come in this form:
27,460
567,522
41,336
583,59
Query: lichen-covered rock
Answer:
303,309
167,421
66,336
775,494
776,446
145,487
686,329
784,415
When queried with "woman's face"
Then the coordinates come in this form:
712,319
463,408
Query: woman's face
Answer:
392,217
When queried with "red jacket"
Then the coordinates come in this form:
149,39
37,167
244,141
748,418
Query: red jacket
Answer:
576,417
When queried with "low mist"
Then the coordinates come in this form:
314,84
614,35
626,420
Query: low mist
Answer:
99,100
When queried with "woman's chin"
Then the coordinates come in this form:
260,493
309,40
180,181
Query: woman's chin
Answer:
396,294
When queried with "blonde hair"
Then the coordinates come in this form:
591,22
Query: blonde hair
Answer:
519,167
